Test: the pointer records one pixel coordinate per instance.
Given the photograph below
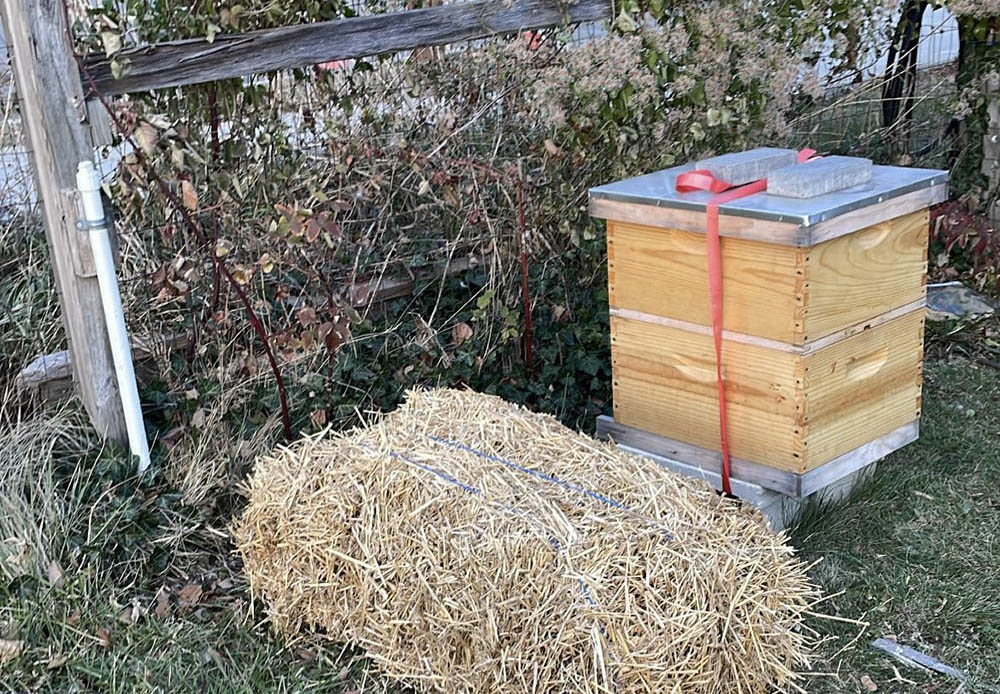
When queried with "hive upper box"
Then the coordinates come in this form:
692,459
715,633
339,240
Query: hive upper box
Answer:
653,199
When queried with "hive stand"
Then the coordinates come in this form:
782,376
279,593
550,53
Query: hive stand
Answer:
823,328
831,485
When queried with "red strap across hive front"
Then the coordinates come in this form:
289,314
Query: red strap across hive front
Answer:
689,182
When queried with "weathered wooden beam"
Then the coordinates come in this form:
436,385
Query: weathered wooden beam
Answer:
192,61
53,113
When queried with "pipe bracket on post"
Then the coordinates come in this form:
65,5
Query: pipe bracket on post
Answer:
91,224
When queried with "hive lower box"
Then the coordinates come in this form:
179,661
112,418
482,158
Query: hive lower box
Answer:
798,417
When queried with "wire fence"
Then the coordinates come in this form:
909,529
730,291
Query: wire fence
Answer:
853,117
29,309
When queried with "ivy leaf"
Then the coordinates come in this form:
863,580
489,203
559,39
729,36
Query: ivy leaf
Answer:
241,276
111,41
223,247
326,222
266,263
291,218
312,230
119,68
625,23
484,299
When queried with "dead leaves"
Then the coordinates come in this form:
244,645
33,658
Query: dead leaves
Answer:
162,602
10,649
189,596
56,662
299,224
130,614
306,316
173,280
318,418
460,333
145,135
55,573
189,195
192,597
324,326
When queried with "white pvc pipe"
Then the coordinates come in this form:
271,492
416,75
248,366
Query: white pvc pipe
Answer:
88,181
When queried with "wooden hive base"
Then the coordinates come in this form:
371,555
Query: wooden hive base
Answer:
792,484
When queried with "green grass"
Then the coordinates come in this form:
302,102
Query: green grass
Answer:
914,555
127,590
916,552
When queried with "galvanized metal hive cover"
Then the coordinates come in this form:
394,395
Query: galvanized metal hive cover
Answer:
658,189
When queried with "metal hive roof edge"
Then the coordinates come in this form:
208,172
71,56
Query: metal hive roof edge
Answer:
658,189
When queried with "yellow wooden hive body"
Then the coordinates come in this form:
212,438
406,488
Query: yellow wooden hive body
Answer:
823,342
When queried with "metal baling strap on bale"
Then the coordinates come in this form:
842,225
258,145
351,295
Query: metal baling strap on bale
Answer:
554,480
475,491
701,179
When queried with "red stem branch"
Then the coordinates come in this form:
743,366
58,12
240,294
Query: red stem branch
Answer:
524,273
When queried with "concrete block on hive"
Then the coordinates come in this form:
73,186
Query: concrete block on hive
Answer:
819,177
743,167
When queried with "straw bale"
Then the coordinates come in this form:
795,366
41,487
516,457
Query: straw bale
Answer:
471,546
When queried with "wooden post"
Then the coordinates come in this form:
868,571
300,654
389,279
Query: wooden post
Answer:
53,114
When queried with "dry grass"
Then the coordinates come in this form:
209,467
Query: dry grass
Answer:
36,518
468,545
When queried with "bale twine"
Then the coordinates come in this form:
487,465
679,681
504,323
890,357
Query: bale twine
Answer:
469,545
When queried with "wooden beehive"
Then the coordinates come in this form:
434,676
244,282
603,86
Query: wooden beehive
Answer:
823,320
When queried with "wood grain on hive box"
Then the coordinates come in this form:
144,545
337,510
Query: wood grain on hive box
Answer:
791,410
783,293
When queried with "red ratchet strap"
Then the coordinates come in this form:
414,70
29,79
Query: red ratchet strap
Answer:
700,179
